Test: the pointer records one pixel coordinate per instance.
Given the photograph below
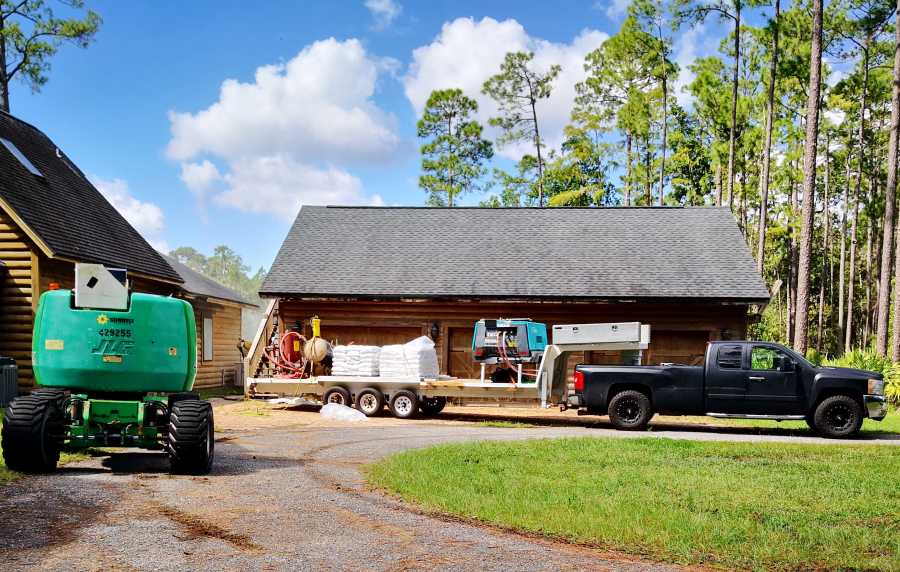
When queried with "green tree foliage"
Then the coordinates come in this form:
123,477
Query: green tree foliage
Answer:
31,33
226,267
516,90
455,151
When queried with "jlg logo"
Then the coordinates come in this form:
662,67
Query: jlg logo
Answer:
120,347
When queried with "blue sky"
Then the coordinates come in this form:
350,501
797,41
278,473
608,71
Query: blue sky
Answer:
209,123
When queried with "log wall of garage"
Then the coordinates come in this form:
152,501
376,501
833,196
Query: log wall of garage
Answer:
679,329
224,368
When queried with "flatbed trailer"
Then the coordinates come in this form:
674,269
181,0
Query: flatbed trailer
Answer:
429,395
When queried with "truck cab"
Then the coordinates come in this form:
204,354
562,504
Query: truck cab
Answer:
744,379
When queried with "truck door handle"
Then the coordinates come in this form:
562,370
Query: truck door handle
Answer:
756,378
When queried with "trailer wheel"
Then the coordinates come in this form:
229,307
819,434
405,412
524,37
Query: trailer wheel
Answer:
838,416
404,404
32,434
432,405
191,437
370,401
337,395
630,410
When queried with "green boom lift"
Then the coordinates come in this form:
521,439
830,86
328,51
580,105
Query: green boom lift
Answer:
111,378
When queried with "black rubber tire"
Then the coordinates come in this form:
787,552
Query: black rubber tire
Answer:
370,401
337,395
32,434
182,396
404,404
432,405
58,396
838,416
630,410
191,437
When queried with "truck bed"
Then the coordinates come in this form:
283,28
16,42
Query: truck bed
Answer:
675,388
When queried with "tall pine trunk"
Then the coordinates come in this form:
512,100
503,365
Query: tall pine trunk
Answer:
767,150
719,183
887,244
848,334
4,80
825,231
732,129
628,174
842,270
665,121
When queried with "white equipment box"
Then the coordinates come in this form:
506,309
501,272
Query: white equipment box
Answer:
622,332
99,287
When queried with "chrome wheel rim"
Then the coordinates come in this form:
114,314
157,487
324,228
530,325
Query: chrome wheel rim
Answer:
368,403
336,397
403,405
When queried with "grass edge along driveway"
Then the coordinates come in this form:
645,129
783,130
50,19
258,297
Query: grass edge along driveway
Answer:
738,505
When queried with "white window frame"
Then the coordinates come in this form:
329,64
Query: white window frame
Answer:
206,339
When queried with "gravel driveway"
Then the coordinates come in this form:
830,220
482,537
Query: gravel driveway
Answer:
279,498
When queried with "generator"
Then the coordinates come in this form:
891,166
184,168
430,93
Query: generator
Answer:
508,341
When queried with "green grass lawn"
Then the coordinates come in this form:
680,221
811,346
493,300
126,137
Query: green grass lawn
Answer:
739,505
65,457
890,424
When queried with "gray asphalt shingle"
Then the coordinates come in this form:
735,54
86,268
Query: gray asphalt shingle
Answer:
65,210
610,253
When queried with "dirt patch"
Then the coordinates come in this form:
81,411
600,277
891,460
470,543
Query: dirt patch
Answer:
197,527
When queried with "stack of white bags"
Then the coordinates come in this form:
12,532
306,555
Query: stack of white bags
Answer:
355,360
417,358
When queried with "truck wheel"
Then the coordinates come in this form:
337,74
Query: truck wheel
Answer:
630,410
191,437
838,416
32,434
404,404
370,401
337,395
432,405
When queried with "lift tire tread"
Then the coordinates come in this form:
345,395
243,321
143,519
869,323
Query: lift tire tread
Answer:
32,434
191,437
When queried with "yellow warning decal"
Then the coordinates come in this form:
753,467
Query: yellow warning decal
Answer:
55,344
112,359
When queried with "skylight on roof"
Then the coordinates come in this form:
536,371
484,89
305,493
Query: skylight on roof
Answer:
20,157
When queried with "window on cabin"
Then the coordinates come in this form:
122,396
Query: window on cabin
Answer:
207,338
10,146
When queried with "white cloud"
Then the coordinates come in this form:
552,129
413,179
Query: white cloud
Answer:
287,137
835,116
689,46
200,178
614,8
317,106
384,12
146,217
468,52
278,185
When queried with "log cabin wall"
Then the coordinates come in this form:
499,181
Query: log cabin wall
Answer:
18,272
679,329
225,366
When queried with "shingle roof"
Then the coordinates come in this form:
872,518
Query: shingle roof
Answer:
603,253
200,285
65,210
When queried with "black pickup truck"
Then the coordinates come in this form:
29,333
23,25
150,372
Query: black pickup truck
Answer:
756,380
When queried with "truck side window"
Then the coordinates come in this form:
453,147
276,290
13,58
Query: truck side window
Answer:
730,357
763,358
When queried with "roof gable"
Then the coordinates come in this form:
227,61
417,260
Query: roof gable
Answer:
599,253
201,285
69,216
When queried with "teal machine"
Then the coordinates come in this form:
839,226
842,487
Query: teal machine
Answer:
509,344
